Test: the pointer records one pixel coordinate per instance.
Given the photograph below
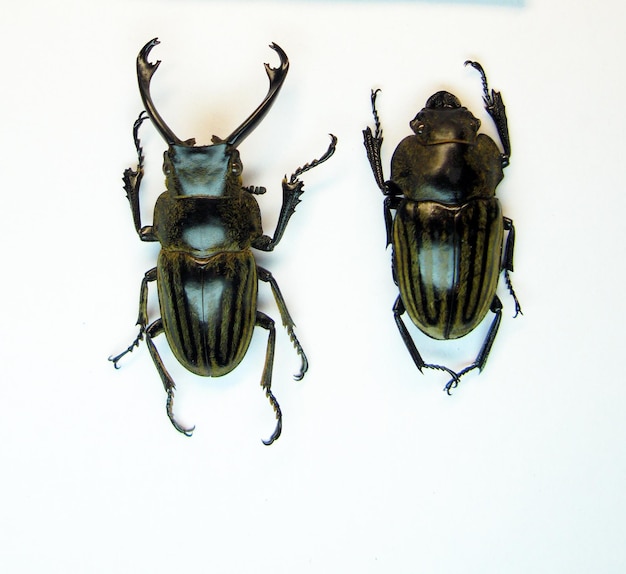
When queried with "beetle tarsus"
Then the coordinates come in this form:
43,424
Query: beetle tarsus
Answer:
373,143
262,320
279,418
130,348
314,163
265,276
454,382
494,106
169,405
509,285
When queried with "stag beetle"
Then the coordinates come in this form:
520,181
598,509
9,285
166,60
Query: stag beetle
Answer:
206,223
448,229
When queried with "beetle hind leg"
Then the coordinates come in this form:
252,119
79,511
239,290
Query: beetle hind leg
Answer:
262,320
481,360
398,311
508,263
152,331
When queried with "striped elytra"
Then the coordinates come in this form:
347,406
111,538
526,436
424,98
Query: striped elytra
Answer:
447,262
208,307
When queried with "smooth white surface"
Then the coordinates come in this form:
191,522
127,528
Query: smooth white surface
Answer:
521,470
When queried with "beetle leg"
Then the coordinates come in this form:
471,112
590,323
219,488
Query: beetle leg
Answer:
390,202
262,320
481,359
132,181
507,263
398,311
155,329
266,276
373,142
151,331
293,188
495,108
142,319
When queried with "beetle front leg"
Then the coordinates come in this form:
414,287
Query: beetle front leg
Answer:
262,320
495,108
293,188
483,355
507,263
373,143
398,311
132,181
266,276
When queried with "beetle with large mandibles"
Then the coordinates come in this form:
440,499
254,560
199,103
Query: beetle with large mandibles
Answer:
207,223
448,230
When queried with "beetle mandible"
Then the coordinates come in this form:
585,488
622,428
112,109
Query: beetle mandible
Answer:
447,233
207,222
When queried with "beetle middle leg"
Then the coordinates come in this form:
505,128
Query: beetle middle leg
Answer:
507,264
266,276
262,320
481,359
398,311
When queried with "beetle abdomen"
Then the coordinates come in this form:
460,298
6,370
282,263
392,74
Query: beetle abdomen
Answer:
447,262
208,308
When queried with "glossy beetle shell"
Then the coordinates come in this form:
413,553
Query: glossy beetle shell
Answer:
448,231
447,263
208,307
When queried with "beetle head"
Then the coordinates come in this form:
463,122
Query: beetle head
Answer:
208,171
443,120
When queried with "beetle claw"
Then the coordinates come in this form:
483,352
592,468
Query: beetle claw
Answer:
279,417
454,382
275,434
170,414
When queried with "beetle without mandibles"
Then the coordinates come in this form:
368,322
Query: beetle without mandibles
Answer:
207,223
447,234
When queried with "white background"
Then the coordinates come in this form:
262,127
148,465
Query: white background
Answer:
522,470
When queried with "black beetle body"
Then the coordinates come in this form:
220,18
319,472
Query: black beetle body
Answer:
207,223
448,230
